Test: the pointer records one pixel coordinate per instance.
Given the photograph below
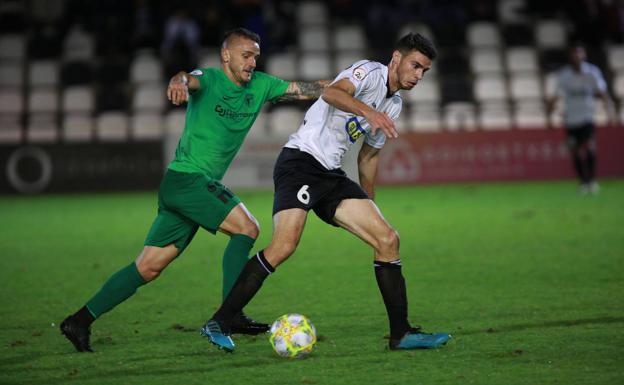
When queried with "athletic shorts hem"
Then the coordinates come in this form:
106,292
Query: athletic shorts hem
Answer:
302,182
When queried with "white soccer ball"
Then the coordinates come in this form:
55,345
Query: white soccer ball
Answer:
293,336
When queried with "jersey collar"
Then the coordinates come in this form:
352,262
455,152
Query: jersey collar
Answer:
388,94
234,85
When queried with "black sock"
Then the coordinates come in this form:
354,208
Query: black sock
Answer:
579,166
392,286
84,317
247,285
591,164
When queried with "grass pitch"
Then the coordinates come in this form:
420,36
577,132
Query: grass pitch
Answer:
527,277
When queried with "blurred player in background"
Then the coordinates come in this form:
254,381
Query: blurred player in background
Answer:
223,103
578,83
362,103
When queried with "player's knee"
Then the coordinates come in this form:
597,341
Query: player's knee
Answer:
149,273
284,250
389,240
249,227
150,266
252,230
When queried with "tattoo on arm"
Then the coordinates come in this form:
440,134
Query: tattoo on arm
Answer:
304,90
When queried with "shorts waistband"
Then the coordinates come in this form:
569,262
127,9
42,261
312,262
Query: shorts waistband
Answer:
295,152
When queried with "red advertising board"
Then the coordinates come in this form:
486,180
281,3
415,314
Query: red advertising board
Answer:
492,156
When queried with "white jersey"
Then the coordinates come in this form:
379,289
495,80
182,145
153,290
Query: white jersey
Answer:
578,89
327,133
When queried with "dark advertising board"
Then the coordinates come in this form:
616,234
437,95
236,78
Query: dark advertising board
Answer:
80,167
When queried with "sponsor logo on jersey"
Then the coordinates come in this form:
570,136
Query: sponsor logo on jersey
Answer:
248,99
231,114
228,97
359,73
354,129
197,72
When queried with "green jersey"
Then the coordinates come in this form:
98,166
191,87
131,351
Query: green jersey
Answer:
218,116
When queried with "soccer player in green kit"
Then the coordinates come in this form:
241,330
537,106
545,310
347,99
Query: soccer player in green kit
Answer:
222,106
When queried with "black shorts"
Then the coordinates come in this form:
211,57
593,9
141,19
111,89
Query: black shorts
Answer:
302,182
578,135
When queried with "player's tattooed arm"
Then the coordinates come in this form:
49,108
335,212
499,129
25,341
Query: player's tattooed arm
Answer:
304,90
179,86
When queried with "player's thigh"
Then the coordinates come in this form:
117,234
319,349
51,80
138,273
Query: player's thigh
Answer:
171,228
580,137
586,139
572,138
363,218
288,226
343,189
203,200
240,221
299,181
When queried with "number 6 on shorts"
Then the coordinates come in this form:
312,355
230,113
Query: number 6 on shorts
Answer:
303,195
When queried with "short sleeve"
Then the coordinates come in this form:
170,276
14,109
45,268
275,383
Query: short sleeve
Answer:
362,74
201,75
275,87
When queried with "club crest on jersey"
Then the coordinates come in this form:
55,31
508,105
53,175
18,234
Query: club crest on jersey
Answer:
354,129
359,73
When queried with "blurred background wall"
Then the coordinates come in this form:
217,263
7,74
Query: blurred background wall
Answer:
82,84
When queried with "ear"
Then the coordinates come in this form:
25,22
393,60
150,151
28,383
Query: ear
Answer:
396,57
225,55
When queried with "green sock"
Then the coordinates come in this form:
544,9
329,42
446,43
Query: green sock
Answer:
117,289
234,259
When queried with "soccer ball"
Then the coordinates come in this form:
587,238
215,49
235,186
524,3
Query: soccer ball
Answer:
292,336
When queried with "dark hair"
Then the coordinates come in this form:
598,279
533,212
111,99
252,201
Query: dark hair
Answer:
416,41
241,32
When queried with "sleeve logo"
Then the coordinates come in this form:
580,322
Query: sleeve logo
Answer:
359,73
197,72
354,129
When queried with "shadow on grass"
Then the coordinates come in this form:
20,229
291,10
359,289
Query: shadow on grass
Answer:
77,368
546,324
221,365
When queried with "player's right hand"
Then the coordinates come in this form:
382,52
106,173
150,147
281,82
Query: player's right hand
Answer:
177,91
381,121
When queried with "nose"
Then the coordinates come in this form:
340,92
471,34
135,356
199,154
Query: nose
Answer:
419,73
252,62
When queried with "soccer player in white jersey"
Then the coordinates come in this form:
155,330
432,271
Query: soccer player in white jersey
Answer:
578,83
362,103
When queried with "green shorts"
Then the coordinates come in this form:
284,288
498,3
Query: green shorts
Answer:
185,202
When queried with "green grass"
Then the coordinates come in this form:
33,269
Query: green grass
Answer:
529,279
